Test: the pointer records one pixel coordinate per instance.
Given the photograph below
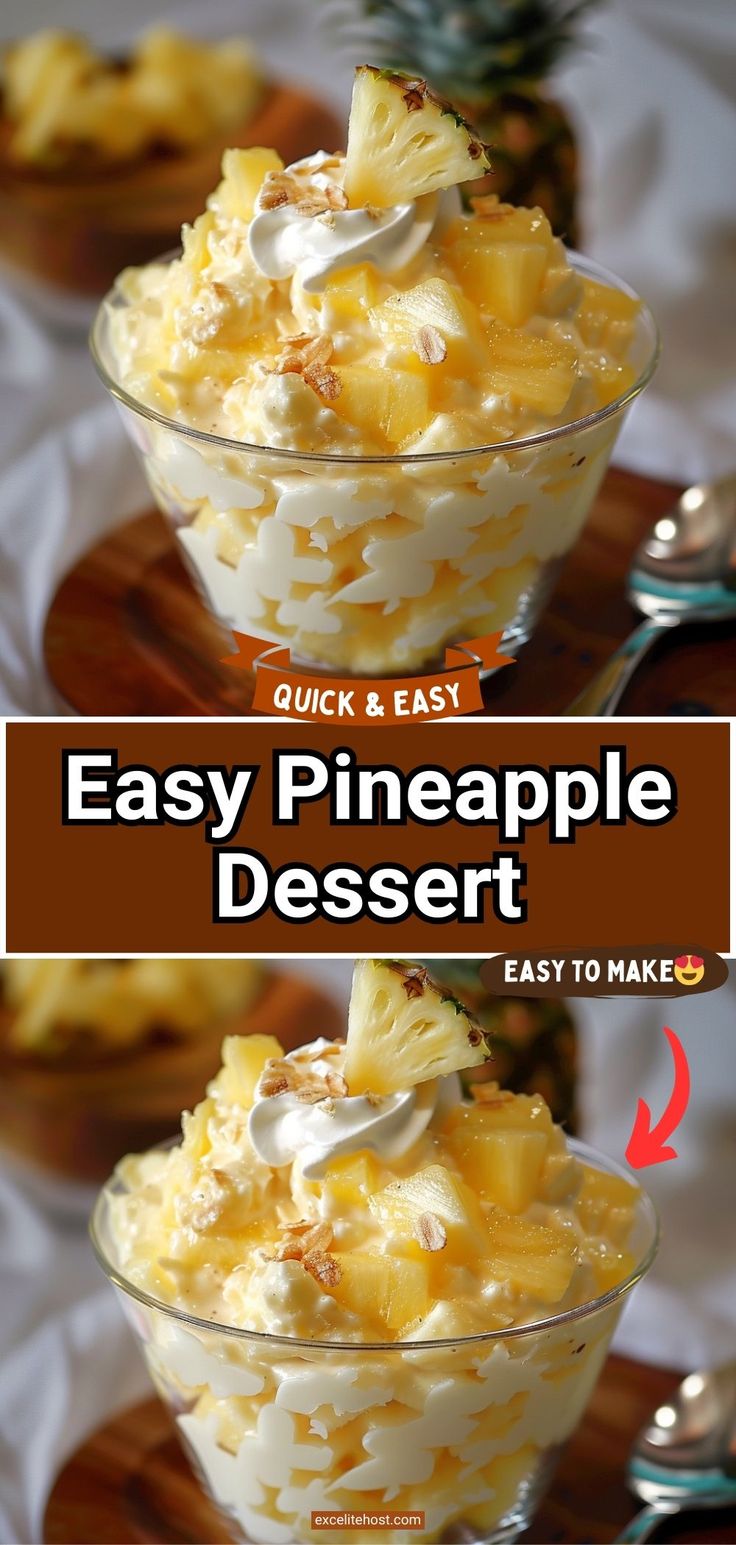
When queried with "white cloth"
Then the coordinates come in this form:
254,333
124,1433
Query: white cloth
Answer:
653,93
66,1357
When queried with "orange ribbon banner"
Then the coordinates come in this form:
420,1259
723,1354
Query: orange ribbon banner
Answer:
284,692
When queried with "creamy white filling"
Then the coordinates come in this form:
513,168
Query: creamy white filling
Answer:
284,241
450,1406
285,1129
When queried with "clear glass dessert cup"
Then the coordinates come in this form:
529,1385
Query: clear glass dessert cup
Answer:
465,1431
372,565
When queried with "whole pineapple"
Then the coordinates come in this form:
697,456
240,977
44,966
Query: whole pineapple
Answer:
532,1040
490,58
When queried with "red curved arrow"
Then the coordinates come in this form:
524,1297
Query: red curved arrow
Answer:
648,1144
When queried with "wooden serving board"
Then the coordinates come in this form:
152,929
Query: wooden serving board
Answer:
131,1485
127,633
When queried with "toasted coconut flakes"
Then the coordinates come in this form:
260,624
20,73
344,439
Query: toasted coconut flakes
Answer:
324,1268
430,345
430,1232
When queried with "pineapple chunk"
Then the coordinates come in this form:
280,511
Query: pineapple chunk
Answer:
404,1029
536,372
243,1059
544,1277
562,287
434,1190
493,221
504,1167
504,280
392,1291
352,291
534,1259
606,317
394,403
243,174
605,1203
501,257
195,241
403,141
610,1266
433,303
195,1130
352,1177
498,1110
504,1477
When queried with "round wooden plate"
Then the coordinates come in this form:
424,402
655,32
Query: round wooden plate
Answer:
127,633
131,1485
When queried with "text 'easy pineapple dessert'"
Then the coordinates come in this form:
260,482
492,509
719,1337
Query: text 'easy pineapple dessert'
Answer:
349,315
356,1286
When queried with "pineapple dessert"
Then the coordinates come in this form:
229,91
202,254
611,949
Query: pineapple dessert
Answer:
384,345
98,1056
388,1240
64,104
57,1007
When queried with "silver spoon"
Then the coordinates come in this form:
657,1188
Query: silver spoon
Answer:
683,571
685,1456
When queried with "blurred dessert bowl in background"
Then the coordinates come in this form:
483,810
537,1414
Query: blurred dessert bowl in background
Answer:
97,1056
375,420
357,1289
102,159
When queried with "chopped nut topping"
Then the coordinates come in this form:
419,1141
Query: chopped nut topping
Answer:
300,1078
324,1268
303,1239
306,197
430,345
272,1082
324,381
273,198
304,353
430,1232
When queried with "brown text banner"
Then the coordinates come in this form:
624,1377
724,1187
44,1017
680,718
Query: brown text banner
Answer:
262,837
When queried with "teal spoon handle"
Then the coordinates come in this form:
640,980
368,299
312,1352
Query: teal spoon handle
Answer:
642,1527
603,694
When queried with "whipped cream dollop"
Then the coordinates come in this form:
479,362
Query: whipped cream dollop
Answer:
286,1129
289,238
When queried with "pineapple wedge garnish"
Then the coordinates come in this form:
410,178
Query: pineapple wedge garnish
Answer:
403,1029
404,141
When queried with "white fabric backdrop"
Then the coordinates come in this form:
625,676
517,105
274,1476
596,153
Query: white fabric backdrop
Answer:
654,95
66,1360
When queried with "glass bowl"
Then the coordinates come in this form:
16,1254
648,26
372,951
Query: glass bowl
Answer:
372,565
466,1431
